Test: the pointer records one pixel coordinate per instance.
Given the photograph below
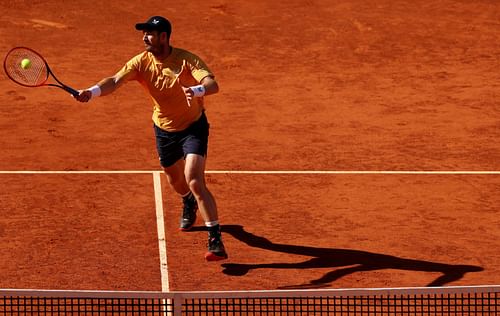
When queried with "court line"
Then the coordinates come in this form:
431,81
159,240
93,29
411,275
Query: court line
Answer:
160,223
268,172
350,172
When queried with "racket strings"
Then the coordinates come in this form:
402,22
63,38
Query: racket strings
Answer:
34,75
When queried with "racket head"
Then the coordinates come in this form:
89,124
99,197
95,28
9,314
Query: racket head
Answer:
34,76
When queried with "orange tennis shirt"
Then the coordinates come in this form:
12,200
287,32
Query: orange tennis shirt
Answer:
163,81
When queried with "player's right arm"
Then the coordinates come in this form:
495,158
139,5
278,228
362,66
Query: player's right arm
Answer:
105,86
108,85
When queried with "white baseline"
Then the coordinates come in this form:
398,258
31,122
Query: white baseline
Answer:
278,172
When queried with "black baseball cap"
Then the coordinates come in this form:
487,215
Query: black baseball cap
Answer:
155,23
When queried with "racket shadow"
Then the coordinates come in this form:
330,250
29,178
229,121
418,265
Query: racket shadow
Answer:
343,261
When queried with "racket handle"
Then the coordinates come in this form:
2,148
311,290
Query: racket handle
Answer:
71,90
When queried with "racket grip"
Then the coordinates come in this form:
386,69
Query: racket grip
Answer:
71,90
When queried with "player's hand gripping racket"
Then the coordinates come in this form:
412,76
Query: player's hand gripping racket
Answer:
28,68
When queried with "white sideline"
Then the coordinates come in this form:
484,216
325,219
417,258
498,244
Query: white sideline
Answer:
160,223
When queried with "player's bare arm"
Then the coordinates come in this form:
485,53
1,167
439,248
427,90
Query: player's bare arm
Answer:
207,86
104,87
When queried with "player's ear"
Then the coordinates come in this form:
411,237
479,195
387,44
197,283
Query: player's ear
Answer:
163,37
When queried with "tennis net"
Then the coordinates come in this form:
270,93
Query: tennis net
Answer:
465,300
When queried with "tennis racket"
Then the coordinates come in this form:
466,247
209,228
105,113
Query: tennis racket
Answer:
36,74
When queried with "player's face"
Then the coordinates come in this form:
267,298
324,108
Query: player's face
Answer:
155,42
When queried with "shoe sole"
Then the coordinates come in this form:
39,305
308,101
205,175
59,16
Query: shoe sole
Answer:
186,229
210,256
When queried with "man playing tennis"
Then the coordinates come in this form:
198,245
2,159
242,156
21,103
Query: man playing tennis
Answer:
177,81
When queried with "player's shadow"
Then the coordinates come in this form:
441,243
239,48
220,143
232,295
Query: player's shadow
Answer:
343,261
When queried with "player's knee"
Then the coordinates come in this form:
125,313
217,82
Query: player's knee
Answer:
174,178
196,186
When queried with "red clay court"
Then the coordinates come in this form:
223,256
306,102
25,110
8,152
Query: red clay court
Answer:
354,144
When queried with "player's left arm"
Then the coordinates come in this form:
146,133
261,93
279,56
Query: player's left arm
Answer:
197,69
207,86
210,85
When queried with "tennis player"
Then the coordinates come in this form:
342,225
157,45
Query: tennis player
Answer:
177,82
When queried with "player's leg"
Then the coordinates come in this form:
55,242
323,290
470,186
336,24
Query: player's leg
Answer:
195,147
171,155
177,180
195,178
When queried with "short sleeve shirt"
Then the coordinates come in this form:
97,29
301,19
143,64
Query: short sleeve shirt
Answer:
163,81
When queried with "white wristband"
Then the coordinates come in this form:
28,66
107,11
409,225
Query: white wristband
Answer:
198,91
95,90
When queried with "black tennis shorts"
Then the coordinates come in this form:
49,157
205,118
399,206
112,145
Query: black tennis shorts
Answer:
172,146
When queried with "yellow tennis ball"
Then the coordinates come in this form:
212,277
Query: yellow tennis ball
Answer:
25,63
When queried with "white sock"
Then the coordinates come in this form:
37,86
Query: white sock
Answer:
212,223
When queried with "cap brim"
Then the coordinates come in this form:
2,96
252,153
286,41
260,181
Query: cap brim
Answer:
144,26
